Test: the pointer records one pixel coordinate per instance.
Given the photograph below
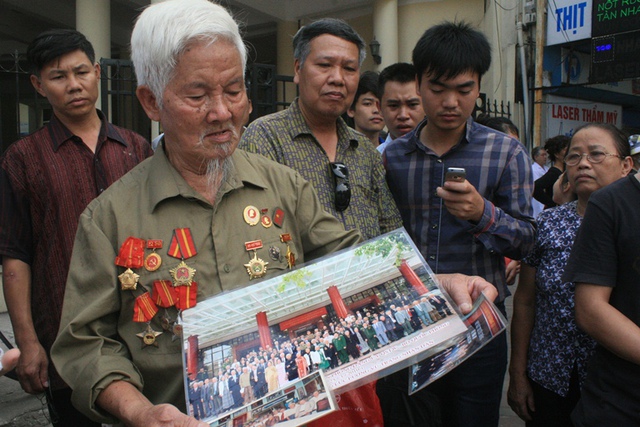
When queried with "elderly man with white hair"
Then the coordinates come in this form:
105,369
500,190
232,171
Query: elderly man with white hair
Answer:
190,222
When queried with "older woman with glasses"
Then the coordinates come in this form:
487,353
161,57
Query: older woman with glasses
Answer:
549,353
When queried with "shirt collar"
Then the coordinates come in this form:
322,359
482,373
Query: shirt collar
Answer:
300,127
165,181
60,133
411,141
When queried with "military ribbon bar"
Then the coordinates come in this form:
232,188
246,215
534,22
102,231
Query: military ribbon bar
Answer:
187,296
144,308
164,294
182,246
131,254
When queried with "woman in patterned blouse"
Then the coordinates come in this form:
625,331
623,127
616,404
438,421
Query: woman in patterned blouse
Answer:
549,353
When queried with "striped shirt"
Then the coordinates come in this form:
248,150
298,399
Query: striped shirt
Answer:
500,170
286,138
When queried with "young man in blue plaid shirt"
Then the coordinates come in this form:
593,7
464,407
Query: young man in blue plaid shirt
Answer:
467,226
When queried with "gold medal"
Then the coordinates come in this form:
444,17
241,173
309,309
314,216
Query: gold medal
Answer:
182,275
265,220
128,280
251,215
256,267
152,262
148,337
290,256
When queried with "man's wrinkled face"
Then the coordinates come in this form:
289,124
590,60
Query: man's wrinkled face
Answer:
205,104
328,78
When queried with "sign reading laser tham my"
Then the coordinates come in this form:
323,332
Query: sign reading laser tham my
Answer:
565,115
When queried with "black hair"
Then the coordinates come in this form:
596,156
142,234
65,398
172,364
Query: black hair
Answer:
620,138
368,83
502,124
332,26
52,44
555,145
450,49
401,72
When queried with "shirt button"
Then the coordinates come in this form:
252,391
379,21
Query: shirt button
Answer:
434,226
439,161
432,257
226,268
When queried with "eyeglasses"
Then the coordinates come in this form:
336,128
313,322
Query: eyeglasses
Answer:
343,189
593,157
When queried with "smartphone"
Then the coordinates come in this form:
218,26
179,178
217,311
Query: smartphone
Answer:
455,174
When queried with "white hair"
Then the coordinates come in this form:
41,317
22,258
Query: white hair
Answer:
164,30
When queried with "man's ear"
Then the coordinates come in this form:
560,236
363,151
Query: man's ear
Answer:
37,84
351,112
148,101
296,71
627,165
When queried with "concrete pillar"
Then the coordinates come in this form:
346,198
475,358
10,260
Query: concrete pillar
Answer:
284,62
93,19
385,30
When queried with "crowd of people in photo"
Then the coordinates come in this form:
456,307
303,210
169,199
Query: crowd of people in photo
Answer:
239,382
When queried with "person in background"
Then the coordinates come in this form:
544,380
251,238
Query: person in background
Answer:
543,188
503,124
312,138
46,181
549,353
539,168
467,226
400,101
604,267
365,108
562,190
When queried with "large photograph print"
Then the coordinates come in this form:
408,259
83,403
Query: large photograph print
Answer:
356,315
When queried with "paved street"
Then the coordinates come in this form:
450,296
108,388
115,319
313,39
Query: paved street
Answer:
18,409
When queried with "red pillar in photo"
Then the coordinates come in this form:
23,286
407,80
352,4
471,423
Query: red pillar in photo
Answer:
263,330
338,303
411,277
192,357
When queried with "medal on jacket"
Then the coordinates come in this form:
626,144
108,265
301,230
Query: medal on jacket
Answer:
149,336
256,267
278,217
128,280
265,220
153,261
130,256
251,215
182,247
143,311
290,256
